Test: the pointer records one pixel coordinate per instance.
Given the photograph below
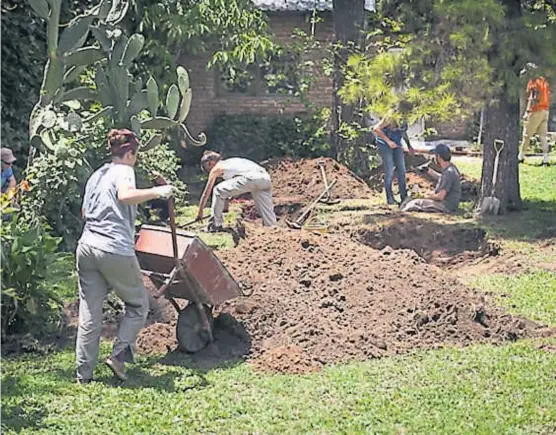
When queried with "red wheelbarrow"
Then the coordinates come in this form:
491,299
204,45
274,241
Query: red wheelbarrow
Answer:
181,266
194,274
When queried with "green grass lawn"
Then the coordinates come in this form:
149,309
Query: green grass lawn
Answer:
478,390
509,389
532,295
538,191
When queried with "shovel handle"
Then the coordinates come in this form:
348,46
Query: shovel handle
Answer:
161,181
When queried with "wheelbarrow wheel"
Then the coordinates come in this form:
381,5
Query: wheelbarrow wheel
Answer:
190,330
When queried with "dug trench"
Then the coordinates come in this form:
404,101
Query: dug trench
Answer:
443,244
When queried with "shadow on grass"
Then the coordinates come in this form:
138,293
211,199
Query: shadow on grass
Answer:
27,414
536,222
22,407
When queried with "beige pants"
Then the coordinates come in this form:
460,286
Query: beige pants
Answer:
424,205
536,124
257,184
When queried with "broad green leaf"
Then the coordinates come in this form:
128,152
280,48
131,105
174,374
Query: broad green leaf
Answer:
152,95
172,101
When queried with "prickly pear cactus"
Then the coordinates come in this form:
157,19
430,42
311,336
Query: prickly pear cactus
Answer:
125,100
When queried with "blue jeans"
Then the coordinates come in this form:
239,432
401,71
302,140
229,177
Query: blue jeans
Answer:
393,158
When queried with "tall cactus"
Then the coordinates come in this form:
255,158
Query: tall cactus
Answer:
124,99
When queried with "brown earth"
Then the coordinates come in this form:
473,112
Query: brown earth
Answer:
286,359
338,300
320,299
302,178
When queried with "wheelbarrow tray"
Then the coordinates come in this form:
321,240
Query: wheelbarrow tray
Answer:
206,279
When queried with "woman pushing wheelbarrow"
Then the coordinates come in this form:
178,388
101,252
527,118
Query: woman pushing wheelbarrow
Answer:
106,256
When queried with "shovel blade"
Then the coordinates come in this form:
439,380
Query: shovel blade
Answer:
490,206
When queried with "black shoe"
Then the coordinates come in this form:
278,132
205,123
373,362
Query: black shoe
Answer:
211,228
84,381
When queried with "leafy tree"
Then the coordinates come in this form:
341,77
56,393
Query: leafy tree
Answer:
23,48
234,32
349,20
449,58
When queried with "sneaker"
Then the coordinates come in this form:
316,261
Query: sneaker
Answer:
212,228
84,381
545,160
520,158
118,367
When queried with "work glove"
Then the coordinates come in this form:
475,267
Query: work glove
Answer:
164,192
424,167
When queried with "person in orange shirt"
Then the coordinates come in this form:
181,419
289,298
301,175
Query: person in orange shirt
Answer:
536,116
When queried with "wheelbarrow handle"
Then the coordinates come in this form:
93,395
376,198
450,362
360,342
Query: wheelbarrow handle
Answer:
167,283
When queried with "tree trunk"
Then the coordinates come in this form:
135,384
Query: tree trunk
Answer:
502,122
349,19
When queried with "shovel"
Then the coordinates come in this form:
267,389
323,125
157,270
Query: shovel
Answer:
301,220
326,199
491,204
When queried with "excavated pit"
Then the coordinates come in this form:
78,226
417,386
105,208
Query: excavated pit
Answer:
437,243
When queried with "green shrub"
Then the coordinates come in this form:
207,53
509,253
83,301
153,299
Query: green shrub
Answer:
263,137
29,293
58,180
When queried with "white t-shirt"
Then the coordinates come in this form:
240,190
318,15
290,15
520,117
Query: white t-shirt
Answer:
238,166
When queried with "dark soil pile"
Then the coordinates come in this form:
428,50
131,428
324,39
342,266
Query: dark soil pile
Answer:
303,179
442,244
338,300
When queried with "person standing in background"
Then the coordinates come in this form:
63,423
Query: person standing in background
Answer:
8,178
389,135
536,116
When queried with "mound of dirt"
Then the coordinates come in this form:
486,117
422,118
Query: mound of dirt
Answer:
303,179
442,244
338,300
157,338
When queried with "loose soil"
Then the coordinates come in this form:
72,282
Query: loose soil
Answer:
302,178
338,300
438,243
319,299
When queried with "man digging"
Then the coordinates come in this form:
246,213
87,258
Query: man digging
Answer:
106,256
447,194
240,176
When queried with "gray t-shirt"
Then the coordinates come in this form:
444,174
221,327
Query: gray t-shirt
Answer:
450,181
109,223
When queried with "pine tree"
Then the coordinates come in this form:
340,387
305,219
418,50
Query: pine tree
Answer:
458,55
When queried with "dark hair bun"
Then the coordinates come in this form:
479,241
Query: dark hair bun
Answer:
121,141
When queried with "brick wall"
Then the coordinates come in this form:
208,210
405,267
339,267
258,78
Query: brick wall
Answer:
208,104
